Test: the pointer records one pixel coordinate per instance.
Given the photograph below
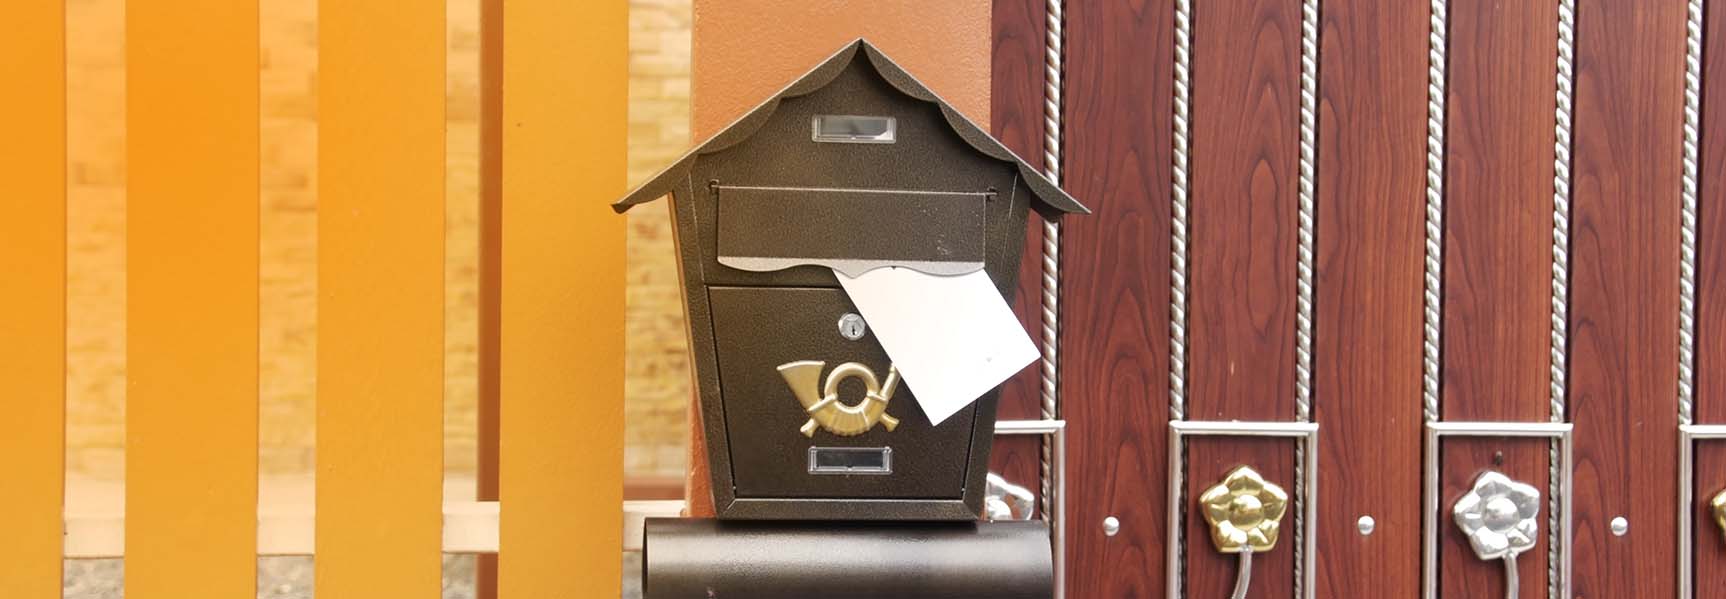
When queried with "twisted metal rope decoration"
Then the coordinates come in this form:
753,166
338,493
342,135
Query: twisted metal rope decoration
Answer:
1435,98
1052,71
1178,246
1561,203
1178,238
1305,263
1687,217
1560,267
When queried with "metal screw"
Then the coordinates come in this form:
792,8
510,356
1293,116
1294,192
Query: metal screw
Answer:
1620,526
1111,526
1365,524
851,326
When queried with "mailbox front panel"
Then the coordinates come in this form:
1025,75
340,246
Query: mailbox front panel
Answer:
761,329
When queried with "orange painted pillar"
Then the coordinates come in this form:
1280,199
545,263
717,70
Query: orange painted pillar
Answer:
33,308
744,50
565,111
191,299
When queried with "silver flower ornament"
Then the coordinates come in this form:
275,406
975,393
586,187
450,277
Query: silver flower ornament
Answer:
1500,516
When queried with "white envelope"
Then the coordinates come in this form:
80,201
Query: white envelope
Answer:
952,338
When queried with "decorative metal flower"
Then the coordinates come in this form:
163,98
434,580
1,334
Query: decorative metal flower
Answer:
1717,507
1244,511
1499,516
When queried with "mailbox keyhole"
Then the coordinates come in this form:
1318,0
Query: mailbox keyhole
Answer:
851,326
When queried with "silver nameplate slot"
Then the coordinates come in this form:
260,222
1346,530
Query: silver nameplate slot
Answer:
850,460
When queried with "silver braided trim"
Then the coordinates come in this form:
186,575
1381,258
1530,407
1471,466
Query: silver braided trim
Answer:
1560,269
1435,98
1308,202
1178,254
1687,217
1178,237
1561,203
1051,239
1304,264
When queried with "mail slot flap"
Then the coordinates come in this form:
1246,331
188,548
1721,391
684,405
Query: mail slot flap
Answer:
765,229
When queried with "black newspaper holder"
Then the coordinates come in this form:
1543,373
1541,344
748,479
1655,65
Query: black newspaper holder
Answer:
811,440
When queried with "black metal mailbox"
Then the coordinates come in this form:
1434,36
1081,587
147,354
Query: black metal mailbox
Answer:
853,166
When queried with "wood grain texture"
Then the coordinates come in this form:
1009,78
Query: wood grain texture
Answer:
561,428
1245,151
1245,147
1115,329
1711,227
1497,263
1498,210
1708,540
380,298
192,299
1624,293
1710,550
1367,346
33,309
1016,118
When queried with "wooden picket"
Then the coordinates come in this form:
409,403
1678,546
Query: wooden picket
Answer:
191,527
192,298
33,307
561,461
380,298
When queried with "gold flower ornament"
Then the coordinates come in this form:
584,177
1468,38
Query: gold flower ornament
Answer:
1717,507
1245,511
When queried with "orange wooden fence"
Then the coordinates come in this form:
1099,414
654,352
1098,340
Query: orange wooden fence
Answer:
191,517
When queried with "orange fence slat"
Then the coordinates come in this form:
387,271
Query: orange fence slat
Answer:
33,308
380,298
561,464
192,298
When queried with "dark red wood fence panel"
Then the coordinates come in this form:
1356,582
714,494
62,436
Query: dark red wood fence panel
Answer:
1371,194
1016,118
1624,294
1115,326
1497,262
1711,302
1244,207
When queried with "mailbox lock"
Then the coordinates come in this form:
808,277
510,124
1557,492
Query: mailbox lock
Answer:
851,326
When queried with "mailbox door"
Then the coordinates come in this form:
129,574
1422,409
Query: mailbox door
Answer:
759,329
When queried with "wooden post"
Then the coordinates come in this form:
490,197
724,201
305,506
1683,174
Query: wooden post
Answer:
380,298
33,309
192,299
565,67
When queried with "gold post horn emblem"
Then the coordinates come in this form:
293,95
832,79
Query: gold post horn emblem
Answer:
821,400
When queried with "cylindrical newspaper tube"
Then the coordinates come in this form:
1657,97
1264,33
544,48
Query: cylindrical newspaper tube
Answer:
702,558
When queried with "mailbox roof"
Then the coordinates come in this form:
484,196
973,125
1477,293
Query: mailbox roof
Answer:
1051,201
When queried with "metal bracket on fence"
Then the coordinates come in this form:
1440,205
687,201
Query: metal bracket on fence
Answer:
1054,432
1306,433
1688,435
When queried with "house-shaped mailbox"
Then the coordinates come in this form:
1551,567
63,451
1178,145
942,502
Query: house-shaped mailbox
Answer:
854,166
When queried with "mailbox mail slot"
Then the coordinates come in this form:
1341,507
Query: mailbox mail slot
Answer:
851,230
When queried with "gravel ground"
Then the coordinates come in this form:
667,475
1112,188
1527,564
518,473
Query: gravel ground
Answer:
291,578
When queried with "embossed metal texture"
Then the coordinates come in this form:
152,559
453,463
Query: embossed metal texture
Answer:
764,216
